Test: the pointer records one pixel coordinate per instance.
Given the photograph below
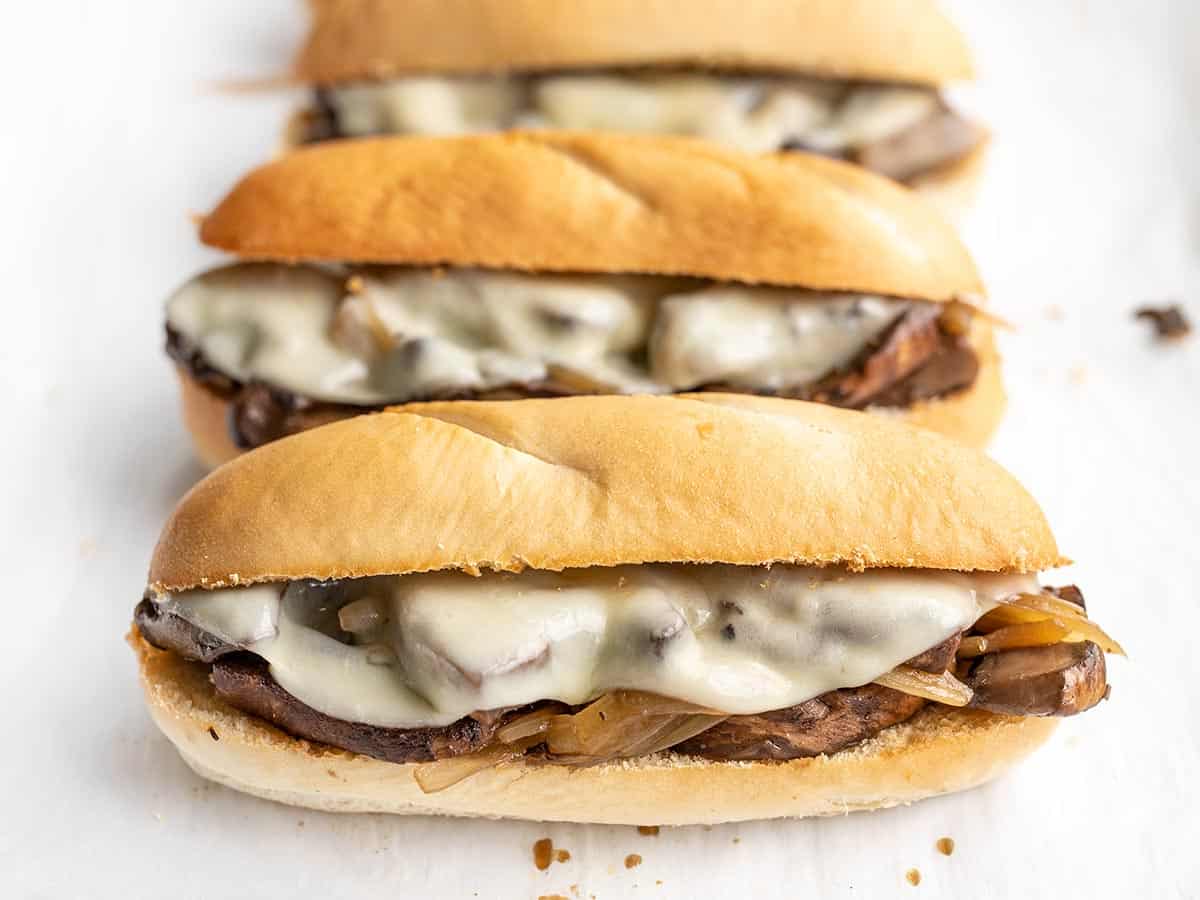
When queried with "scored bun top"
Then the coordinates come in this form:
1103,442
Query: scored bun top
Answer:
600,481
596,202
885,40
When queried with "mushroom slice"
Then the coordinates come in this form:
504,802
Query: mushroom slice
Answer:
1054,680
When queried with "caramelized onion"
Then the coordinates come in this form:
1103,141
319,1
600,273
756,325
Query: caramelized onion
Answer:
1049,604
1030,609
444,773
1026,634
624,724
942,688
525,726
619,724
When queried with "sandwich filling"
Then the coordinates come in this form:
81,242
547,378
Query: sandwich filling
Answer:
901,131
733,662
280,340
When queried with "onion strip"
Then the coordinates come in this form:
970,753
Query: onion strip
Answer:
436,776
1027,634
942,688
1030,610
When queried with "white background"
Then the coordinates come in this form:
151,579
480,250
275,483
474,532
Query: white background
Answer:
111,135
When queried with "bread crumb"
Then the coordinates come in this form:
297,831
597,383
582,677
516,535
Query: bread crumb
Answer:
913,876
551,897
633,860
945,846
648,830
543,853
562,855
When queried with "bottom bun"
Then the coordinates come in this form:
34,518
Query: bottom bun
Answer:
206,415
937,752
969,417
952,188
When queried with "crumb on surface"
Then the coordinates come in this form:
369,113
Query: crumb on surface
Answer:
1169,321
633,860
945,846
913,877
648,830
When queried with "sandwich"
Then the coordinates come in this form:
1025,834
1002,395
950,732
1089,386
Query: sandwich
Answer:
396,270
863,81
633,610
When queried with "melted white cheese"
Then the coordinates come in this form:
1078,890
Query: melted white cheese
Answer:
754,114
391,335
773,344
735,638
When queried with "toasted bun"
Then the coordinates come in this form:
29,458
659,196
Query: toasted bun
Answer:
596,202
937,752
895,40
600,481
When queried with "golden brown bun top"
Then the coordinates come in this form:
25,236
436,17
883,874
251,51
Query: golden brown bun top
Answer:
574,202
600,481
885,40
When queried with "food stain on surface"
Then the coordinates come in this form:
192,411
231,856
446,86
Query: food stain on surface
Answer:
633,860
648,830
1170,323
543,853
945,846
913,876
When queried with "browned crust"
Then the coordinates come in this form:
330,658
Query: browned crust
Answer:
897,40
600,481
595,202
936,752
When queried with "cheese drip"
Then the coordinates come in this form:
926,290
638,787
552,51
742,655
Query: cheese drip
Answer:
388,335
753,114
429,649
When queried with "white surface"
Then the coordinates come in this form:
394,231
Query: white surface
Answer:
1093,206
